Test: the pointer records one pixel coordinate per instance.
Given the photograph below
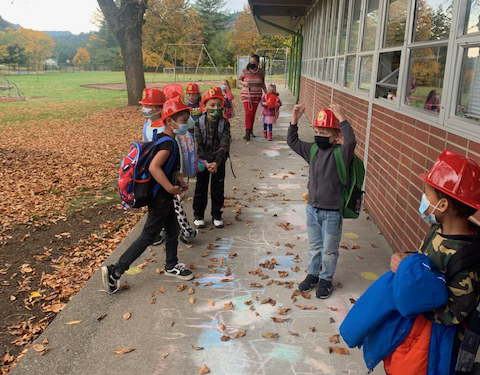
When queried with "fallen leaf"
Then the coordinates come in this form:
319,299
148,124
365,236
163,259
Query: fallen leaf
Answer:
289,245
209,284
335,339
256,285
339,285
205,254
355,247
374,246
252,308
181,288
153,301
295,269
305,307
159,270
191,290
279,320
268,300
45,341
352,301
283,273
204,370
211,303
293,333
73,322
338,350
123,351
228,306
332,320
222,327
232,255
360,257
192,300
39,348
13,298
226,280
225,338
127,315
101,317
332,308
248,303
239,334
270,335
228,272
283,311
35,294
197,347
313,329
289,253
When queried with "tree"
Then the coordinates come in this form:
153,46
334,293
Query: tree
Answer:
221,49
38,46
245,36
103,46
81,57
213,18
125,18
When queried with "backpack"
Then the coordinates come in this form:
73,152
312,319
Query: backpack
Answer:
352,183
135,183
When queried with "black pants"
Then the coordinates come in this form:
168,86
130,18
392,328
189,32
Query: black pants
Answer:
161,214
217,192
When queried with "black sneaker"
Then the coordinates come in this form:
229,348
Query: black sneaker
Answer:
324,289
159,238
307,284
180,271
110,283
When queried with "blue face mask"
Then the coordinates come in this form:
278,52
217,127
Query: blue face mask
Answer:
223,87
424,204
191,123
182,129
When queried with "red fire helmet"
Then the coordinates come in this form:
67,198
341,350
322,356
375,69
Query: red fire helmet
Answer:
192,88
153,96
212,93
326,119
171,107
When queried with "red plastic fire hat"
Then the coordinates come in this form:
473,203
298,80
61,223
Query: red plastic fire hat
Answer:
153,96
212,93
169,90
192,88
326,119
171,107
457,176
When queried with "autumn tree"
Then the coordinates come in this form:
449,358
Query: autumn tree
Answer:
81,57
245,36
103,46
213,18
126,19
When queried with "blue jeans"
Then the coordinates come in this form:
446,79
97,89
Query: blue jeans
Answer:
324,229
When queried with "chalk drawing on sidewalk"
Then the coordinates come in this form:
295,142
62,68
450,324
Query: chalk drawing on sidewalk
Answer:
372,276
351,235
270,153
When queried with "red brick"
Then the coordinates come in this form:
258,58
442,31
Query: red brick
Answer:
437,143
460,141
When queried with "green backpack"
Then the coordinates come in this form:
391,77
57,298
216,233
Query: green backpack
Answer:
352,194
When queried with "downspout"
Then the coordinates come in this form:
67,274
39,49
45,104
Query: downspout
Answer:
299,48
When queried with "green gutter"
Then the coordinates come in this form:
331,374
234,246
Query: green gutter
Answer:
298,54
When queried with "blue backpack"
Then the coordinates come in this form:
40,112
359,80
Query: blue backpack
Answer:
136,186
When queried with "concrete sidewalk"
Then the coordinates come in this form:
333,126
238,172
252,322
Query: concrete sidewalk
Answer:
266,194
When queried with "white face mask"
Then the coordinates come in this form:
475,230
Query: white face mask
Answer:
148,112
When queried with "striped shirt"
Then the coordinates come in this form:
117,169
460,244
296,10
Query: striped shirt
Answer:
256,79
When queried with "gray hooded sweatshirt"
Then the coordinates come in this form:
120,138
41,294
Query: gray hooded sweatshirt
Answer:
324,187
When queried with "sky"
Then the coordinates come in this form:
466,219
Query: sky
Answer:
62,15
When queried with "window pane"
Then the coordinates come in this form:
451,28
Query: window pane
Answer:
472,20
396,21
350,79
355,27
326,32
370,28
432,19
320,69
340,71
468,102
330,70
336,9
426,72
366,65
387,79
343,31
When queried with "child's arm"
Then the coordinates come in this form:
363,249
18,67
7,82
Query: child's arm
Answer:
348,136
230,95
263,101
222,151
462,299
279,102
300,147
157,173
199,140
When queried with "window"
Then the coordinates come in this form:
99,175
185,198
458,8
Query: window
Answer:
370,25
355,26
396,22
329,77
425,80
336,10
468,100
432,20
340,71
350,77
365,80
343,31
472,19
387,79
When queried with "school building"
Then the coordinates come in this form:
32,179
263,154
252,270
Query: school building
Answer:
408,74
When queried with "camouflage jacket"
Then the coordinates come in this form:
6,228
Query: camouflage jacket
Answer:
464,286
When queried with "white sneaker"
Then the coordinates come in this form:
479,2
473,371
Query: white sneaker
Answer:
199,223
218,223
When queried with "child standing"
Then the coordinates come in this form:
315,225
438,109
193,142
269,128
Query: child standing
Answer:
161,212
271,104
212,134
228,96
324,219
152,104
193,101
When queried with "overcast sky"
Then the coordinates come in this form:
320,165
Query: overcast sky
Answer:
62,15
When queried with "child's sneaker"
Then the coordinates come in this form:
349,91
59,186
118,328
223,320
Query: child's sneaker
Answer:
159,238
324,289
180,271
218,223
110,283
189,237
199,223
307,284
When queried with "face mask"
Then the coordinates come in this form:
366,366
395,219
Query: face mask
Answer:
191,123
223,87
215,113
424,204
147,112
323,143
182,129
251,66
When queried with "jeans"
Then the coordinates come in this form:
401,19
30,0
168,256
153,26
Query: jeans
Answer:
160,215
217,192
324,230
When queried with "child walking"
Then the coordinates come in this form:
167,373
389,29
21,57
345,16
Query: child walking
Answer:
324,219
271,104
212,134
161,212
228,96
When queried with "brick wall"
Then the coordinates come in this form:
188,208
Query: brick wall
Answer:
400,149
